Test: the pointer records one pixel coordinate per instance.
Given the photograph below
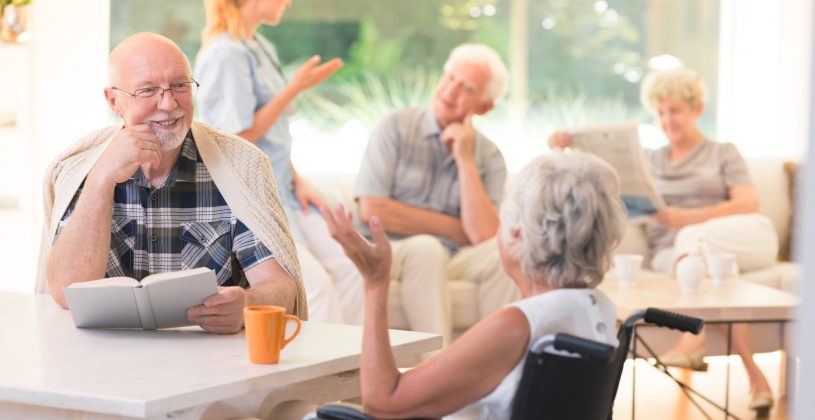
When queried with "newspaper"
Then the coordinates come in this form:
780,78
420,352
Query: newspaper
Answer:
619,145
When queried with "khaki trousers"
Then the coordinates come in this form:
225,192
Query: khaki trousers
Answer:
424,266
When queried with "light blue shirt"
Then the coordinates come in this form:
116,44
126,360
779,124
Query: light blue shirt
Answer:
237,78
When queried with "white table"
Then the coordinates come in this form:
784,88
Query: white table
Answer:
734,301
50,369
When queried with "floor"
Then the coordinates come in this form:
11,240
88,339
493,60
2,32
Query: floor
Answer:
658,397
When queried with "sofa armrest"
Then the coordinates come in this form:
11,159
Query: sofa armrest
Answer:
633,241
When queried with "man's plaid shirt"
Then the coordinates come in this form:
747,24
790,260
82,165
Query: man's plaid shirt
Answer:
183,224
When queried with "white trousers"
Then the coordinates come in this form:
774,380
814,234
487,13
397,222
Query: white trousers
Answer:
333,283
334,286
751,237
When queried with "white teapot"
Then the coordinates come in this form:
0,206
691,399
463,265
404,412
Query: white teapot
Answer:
689,271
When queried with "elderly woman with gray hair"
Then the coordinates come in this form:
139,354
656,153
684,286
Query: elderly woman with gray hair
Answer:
559,223
710,196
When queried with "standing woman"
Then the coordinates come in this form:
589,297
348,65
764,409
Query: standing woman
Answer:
245,92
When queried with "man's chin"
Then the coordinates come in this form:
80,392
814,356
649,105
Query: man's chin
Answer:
166,146
171,141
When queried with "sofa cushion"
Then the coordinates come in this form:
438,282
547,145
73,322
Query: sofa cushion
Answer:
771,185
464,301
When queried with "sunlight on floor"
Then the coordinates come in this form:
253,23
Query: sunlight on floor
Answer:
658,397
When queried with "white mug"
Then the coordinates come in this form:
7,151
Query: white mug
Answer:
627,266
689,271
720,266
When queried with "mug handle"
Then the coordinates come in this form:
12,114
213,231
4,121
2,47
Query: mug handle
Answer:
287,340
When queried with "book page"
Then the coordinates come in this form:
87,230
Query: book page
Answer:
158,277
619,145
103,306
171,296
109,282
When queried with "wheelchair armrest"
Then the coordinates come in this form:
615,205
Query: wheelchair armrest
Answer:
342,411
673,320
583,346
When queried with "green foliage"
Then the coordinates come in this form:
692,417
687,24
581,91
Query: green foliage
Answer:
180,20
575,107
4,3
371,54
368,98
584,63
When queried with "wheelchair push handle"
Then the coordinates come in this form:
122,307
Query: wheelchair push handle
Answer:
673,320
583,346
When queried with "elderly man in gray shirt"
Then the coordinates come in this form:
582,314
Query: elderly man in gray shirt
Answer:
435,183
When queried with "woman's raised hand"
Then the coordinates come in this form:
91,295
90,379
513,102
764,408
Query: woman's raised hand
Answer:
312,73
372,260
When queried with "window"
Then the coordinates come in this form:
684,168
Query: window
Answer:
572,62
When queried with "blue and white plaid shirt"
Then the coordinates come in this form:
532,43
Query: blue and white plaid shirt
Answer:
185,223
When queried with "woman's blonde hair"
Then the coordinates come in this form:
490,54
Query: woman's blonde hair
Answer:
677,84
221,16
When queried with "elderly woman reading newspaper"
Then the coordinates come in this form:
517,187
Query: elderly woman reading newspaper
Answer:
709,196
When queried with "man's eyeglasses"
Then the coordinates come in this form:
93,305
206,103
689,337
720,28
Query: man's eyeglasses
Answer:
179,88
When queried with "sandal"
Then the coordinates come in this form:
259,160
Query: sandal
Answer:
761,401
694,361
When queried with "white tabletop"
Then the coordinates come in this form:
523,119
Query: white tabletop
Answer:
46,361
733,301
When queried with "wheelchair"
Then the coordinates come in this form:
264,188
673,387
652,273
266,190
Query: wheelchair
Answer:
580,384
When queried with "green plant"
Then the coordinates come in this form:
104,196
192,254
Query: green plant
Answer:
4,3
368,97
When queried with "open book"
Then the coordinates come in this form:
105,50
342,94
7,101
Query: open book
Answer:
159,301
619,145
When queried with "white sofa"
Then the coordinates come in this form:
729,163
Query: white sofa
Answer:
774,199
771,183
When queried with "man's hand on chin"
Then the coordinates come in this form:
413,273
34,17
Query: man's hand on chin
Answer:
221,313
459,139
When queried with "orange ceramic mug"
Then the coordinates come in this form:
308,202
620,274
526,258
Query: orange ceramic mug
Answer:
266,332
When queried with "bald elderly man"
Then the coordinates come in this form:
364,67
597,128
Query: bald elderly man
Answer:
161,192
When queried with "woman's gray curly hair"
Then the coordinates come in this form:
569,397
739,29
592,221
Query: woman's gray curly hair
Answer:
567,209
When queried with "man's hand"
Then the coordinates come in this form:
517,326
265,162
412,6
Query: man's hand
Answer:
132,147
312,73
221,313
459,139
559,140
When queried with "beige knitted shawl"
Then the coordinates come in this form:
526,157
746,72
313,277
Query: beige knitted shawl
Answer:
241,171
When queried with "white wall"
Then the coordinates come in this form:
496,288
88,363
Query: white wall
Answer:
764,69
67,70
70,51
804,404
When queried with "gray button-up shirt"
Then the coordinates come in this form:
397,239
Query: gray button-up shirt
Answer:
702,178
406,161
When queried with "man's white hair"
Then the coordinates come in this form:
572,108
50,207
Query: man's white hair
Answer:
483,55
568,211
